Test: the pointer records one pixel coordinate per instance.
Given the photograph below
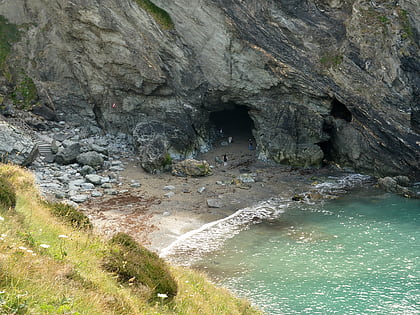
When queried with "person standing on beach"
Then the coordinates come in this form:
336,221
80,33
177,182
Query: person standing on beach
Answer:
225,159
250,144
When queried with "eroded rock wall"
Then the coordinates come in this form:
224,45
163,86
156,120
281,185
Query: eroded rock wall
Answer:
323,80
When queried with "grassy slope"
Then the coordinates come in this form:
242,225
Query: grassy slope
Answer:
67,278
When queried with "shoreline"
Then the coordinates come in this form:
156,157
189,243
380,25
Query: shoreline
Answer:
168,206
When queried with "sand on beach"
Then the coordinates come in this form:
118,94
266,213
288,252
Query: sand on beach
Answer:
157,219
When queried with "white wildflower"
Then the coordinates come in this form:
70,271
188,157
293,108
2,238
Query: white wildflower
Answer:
1,218
29,251
22,248
162,295
63,236
44,246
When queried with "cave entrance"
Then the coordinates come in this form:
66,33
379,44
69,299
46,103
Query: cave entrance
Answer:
339,110
235,122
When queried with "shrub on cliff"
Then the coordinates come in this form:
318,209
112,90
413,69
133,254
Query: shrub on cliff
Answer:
161,16
7,194
70,215
136,265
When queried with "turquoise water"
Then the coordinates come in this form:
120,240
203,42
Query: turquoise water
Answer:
355,255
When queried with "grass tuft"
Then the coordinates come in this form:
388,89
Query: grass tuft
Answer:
7,194
161,16
136,265
71,215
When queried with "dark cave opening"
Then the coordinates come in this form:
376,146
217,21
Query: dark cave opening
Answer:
327,146
234,122
339,110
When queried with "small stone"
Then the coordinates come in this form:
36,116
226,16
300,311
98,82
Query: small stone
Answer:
201,190
214,203
64,179
247,178
116,163
298,198
135,185
75,184
111,191
106,185
402,181
169,187
166,214
106,179
87,186
87,169
169,194
79,198
116,168
94,179
50,185
96,193
316,196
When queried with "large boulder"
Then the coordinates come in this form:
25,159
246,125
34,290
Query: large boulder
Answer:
191,167
156,141
91,158
68,154
397,185
16,146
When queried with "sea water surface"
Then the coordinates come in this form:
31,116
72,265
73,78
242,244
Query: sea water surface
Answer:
356,255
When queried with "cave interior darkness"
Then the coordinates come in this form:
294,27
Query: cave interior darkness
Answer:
234,122
338,111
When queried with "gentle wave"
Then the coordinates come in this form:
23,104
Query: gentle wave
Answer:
189,247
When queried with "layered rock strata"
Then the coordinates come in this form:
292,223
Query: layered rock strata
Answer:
322,81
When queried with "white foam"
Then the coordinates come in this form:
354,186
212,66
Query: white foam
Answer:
189,247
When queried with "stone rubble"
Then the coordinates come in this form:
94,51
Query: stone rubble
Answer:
82,167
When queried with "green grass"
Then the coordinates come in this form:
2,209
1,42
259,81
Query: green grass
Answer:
405,24
49,267
136,266
161,16
25,93
330,60
7,195
71,215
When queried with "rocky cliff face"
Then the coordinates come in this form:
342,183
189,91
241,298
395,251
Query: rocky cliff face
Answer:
333,80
